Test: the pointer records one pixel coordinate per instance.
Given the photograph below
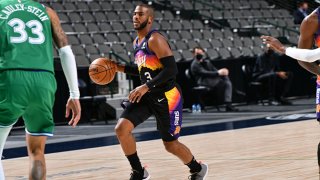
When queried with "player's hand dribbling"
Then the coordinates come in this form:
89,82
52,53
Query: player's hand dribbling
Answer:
119,66
136,94
74,106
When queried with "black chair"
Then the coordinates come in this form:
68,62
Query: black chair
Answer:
95,107
253,88
199,91
187,55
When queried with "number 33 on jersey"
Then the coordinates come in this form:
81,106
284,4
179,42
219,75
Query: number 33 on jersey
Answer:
25,24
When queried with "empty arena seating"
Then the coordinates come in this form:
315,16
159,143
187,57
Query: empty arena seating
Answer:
238,15
95,28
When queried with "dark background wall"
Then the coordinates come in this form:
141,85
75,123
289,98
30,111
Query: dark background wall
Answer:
302,84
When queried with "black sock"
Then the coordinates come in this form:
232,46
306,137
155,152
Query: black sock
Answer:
194,166
135,162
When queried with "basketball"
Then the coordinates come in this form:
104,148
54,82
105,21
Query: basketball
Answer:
102,71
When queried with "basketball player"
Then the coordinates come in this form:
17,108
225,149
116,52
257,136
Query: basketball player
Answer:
309,33
27,82
159,95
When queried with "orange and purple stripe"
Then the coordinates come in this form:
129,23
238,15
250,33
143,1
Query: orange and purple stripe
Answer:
174,99
175,110
151,61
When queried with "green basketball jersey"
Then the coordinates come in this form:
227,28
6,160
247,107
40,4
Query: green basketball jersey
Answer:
25,36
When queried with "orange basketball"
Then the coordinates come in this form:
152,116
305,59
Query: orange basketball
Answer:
102,71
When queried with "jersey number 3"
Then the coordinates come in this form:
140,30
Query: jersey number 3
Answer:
148,76
19,27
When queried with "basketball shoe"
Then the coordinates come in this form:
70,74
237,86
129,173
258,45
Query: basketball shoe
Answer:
200,175
136,175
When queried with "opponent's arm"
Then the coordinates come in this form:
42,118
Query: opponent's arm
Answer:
68,64
66,55
308,28
305,55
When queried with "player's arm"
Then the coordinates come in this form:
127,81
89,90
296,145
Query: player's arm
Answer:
68,64
307,29
306,55
66,55
159,45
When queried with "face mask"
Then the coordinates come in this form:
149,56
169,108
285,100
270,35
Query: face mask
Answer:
199,56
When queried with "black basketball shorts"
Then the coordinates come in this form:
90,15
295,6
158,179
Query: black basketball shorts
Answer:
167,109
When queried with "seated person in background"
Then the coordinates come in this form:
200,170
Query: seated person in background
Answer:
301,12
207,75
267,71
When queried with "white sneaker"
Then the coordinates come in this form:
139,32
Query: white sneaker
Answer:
135,175
146,175
200,175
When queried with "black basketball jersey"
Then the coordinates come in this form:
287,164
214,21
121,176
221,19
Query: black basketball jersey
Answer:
149,65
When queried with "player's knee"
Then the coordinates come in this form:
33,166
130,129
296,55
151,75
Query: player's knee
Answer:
123,127
36,152
118,129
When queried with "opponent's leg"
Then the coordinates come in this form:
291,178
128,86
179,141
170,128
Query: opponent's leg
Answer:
37,166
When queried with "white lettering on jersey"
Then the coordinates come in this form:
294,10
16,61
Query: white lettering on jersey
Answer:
176,118
140,59
7,10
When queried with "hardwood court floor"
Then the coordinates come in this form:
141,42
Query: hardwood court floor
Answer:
281,151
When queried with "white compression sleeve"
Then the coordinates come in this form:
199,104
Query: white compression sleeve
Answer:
4,132
69,67
306,55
